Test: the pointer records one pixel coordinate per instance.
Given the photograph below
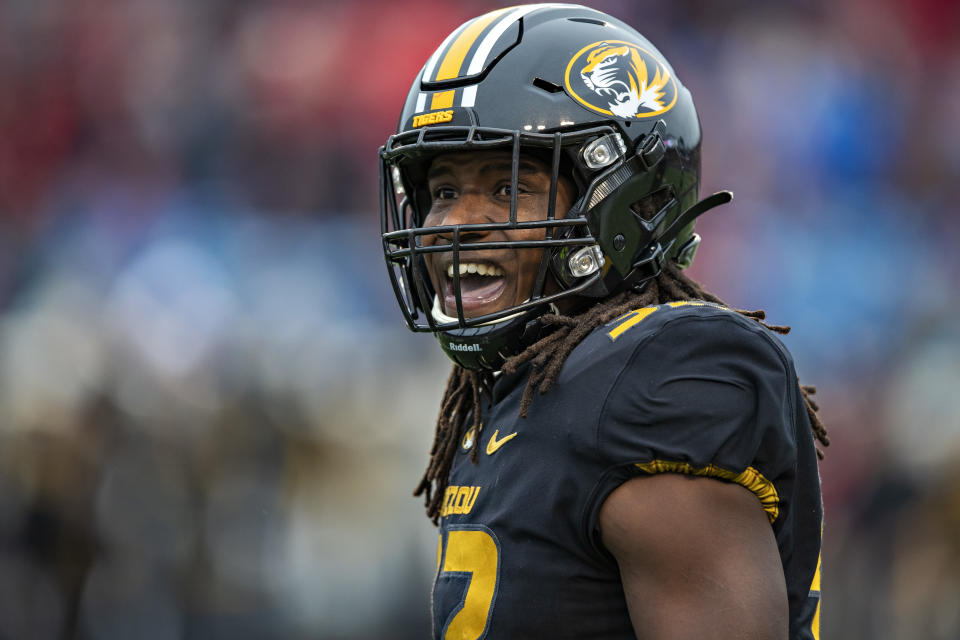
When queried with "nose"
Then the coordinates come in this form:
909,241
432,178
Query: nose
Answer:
466,210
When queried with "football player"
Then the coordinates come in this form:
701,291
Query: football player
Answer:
618,454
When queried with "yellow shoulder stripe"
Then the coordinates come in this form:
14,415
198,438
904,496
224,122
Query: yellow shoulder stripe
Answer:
750,478
630,319
635,317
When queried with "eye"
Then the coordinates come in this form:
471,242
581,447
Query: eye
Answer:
609,59
505,189
444,193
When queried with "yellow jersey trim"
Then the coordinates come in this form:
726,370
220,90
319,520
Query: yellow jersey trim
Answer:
750,478
815,590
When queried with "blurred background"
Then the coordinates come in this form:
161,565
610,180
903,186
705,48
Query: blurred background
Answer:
211,414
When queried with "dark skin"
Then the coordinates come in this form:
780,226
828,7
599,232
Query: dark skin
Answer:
471,188
697,556
698,559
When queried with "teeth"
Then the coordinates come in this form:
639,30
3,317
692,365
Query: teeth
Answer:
477,268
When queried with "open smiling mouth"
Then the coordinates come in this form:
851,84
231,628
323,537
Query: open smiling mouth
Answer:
481,283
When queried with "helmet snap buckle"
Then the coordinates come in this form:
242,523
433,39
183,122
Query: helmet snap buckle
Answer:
585,261
650,148
685,256
604,151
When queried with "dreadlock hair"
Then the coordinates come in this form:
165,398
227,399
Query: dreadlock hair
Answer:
547,356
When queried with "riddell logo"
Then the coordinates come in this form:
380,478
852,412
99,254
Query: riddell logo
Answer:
456,346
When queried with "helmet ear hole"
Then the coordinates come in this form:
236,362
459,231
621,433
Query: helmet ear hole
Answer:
652,204
546,85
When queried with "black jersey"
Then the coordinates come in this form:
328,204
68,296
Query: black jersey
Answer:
682,388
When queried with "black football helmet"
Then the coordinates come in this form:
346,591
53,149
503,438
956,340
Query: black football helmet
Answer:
600,105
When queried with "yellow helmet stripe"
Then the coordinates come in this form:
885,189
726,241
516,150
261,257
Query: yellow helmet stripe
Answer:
480,57
442,99
450,67
484,32
486,46
432,63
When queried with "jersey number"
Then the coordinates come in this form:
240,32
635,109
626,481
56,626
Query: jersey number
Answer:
475,552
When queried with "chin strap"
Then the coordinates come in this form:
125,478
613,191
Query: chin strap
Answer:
650,264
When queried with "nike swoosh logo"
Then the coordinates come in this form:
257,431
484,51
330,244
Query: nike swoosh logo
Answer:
495,444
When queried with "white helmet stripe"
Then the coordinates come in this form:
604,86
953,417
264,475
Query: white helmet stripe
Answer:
488,42
432,62
486,45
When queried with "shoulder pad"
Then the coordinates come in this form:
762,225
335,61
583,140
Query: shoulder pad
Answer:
610,346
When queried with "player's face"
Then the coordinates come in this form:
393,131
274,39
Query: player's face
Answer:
472,188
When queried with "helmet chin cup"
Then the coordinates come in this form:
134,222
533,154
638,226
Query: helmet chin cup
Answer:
488,346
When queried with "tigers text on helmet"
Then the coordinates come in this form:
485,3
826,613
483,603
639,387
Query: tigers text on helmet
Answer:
589,98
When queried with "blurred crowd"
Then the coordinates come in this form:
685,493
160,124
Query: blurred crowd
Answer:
211,416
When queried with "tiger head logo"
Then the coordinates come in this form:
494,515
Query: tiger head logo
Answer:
617,78
468,438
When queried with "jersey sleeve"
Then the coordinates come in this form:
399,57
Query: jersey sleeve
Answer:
707,396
